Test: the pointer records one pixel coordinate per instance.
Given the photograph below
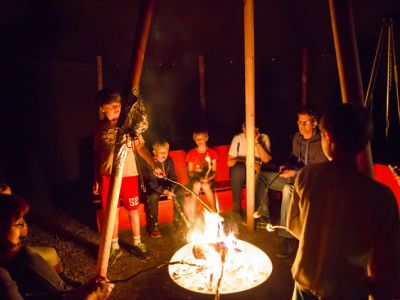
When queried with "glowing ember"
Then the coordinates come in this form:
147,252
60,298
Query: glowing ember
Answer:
218,261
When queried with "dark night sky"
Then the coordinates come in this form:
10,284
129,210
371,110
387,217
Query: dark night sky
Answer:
48,57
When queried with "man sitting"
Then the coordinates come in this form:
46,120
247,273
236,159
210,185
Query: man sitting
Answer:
306,149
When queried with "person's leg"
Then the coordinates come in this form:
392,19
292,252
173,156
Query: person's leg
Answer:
238,176
178,206
209,195
286,195
130,198
190,204
266,181
152,202
261,194
104,187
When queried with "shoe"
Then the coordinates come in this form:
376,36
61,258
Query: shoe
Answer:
140,251
114,254
155,232
257,214
288,248
262,222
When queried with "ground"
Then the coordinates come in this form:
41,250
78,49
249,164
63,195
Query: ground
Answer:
77,244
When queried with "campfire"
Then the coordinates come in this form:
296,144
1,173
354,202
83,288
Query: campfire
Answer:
218,263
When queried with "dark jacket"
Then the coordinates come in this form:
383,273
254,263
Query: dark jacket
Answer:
158,185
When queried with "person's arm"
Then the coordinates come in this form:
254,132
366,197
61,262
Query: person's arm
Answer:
385,257
145,154
263,147
8,287
96,162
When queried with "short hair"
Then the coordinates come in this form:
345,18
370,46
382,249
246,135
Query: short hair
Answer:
200,131
106,96
307,111
160,143
11,207
350,126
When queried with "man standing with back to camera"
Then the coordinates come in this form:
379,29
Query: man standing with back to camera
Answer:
346,222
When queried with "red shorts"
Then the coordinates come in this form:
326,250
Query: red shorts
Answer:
129,193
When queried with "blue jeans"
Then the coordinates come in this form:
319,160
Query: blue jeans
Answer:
286,195
238,177
266,181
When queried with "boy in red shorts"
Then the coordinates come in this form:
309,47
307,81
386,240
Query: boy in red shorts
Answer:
104,141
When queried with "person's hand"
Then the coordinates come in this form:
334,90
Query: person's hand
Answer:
169,194
96,188
158,172
204,180
99,289
282,168
257,137
287,173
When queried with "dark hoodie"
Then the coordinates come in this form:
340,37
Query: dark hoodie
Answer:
299,150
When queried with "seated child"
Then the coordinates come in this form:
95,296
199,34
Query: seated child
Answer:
157,186
202,165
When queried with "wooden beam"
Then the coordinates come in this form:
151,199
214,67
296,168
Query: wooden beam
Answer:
348,65
250,109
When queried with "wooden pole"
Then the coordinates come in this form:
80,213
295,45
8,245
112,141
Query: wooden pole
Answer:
202,85
304,77
139,46
348,65
99,69
121,149
250,116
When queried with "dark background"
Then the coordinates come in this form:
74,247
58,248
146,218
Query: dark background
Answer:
48,75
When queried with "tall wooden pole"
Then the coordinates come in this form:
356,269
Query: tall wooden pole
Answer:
100,86
304,77
202,87
249,98
99,68
348,65
121,149
139,46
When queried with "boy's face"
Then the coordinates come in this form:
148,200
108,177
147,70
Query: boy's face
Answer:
200,139
306,125
161,153
111,110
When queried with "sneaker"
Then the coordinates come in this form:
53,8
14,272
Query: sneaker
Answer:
288,248
114,254
257,214
140,251
262,222
155,232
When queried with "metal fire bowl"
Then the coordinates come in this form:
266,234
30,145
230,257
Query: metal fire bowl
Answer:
247,268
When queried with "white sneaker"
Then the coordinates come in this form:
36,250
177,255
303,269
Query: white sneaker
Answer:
257,213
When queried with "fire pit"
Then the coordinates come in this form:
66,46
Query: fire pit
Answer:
220,265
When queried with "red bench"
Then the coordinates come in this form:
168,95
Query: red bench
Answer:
223,191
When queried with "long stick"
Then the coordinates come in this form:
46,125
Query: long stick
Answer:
193,193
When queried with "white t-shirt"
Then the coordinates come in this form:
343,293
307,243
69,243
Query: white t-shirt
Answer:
239,147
